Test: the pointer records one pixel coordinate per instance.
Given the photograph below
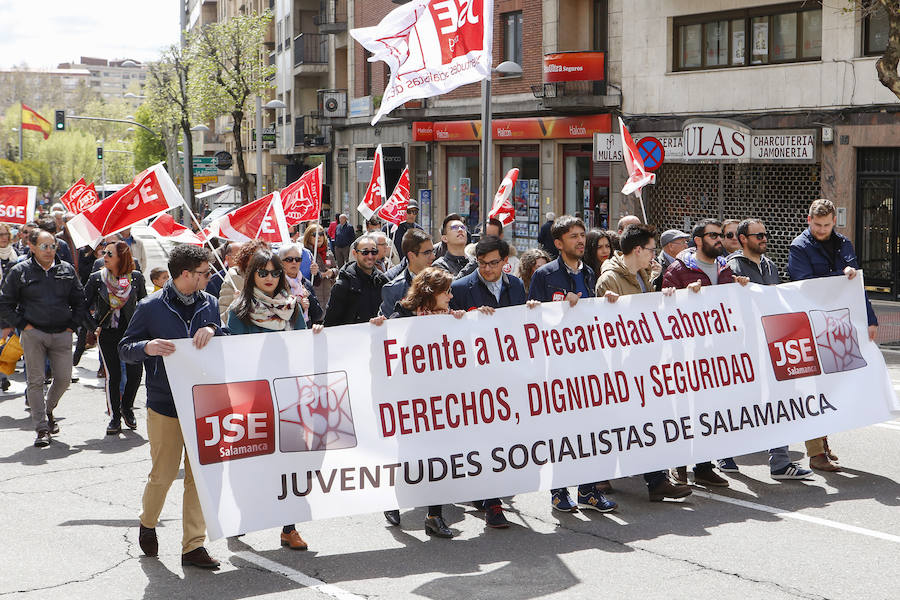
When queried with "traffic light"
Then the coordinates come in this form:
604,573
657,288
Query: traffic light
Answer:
60,120
100,153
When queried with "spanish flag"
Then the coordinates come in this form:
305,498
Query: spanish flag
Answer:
32,120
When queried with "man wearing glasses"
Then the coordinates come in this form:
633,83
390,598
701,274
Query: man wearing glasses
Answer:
42,297
180,310
454,236
356,294
730,236
412,213
694,268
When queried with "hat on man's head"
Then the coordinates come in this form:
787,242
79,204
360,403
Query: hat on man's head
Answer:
672,235
413,204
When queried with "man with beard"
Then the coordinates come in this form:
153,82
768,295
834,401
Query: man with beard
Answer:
694,268
752,262
568,278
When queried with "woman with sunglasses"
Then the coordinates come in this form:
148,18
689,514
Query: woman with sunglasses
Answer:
294,256
265,304
324,270
112,295
428,294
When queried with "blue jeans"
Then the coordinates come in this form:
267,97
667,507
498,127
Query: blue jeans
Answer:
778,458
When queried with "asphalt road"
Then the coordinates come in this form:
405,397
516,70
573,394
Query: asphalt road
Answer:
68,526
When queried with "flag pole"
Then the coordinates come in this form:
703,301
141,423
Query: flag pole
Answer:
21,138
212,250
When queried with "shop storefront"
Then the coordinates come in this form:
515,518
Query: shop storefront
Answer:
554,161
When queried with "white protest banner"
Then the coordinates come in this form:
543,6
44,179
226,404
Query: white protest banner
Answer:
431,409
431,47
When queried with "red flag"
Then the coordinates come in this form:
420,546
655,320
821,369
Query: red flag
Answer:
302,200
374,197
165,227
638,176
17,203
150,193
80,197
503,208
262,219
394,210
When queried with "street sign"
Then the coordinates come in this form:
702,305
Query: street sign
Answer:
652,153
202,179
607,147
205,165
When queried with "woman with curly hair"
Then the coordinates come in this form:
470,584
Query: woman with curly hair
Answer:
529,262
428,294
324,267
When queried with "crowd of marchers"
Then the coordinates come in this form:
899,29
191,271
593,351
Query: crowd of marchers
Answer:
60,300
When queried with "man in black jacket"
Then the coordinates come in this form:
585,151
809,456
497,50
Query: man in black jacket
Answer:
454,236
43,298
356,295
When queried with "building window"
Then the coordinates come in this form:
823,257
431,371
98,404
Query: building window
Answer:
876,29
775,34
512,37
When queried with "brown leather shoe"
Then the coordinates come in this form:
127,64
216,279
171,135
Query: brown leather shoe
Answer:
679,475
709,477
147,541
821,462
293,540
199,557
831,455
667,489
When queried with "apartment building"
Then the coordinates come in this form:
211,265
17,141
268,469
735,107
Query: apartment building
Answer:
763,108
111,78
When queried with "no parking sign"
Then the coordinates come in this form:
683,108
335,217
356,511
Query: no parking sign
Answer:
652,153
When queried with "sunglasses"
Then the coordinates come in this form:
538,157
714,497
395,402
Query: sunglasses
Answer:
713,235
46,247
291,259
367,252
759,236
108,253
730,235
275,273
206,273
458,228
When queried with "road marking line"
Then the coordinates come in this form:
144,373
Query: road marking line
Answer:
297,576
799,516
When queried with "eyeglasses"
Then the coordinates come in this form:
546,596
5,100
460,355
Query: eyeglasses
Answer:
650,248
713,235
490,263
759,236
108,253
206,273
291,259
46,247
367,252
275,273
412,211
458,227
730,235
430,251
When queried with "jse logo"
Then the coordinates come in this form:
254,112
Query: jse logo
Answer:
791,346
459,27
234,420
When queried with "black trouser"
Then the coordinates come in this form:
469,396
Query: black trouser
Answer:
109,347
80,345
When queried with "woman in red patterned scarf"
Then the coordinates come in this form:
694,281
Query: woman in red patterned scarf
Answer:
112,294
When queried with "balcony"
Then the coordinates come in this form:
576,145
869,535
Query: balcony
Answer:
309,132
332,17
575,80
310,49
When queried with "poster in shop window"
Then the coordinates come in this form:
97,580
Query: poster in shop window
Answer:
737,47
465,191
760,41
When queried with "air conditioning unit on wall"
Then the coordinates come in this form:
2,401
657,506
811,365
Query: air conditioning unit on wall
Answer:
333,104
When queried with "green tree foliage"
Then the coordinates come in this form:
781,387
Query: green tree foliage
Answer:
227,71
148,148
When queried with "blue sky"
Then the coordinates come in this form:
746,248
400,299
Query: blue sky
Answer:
44,33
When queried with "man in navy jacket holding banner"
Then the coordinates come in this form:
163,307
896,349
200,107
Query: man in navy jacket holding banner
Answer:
568,278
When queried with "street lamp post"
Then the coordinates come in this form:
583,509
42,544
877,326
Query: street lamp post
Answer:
507,67
272,104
